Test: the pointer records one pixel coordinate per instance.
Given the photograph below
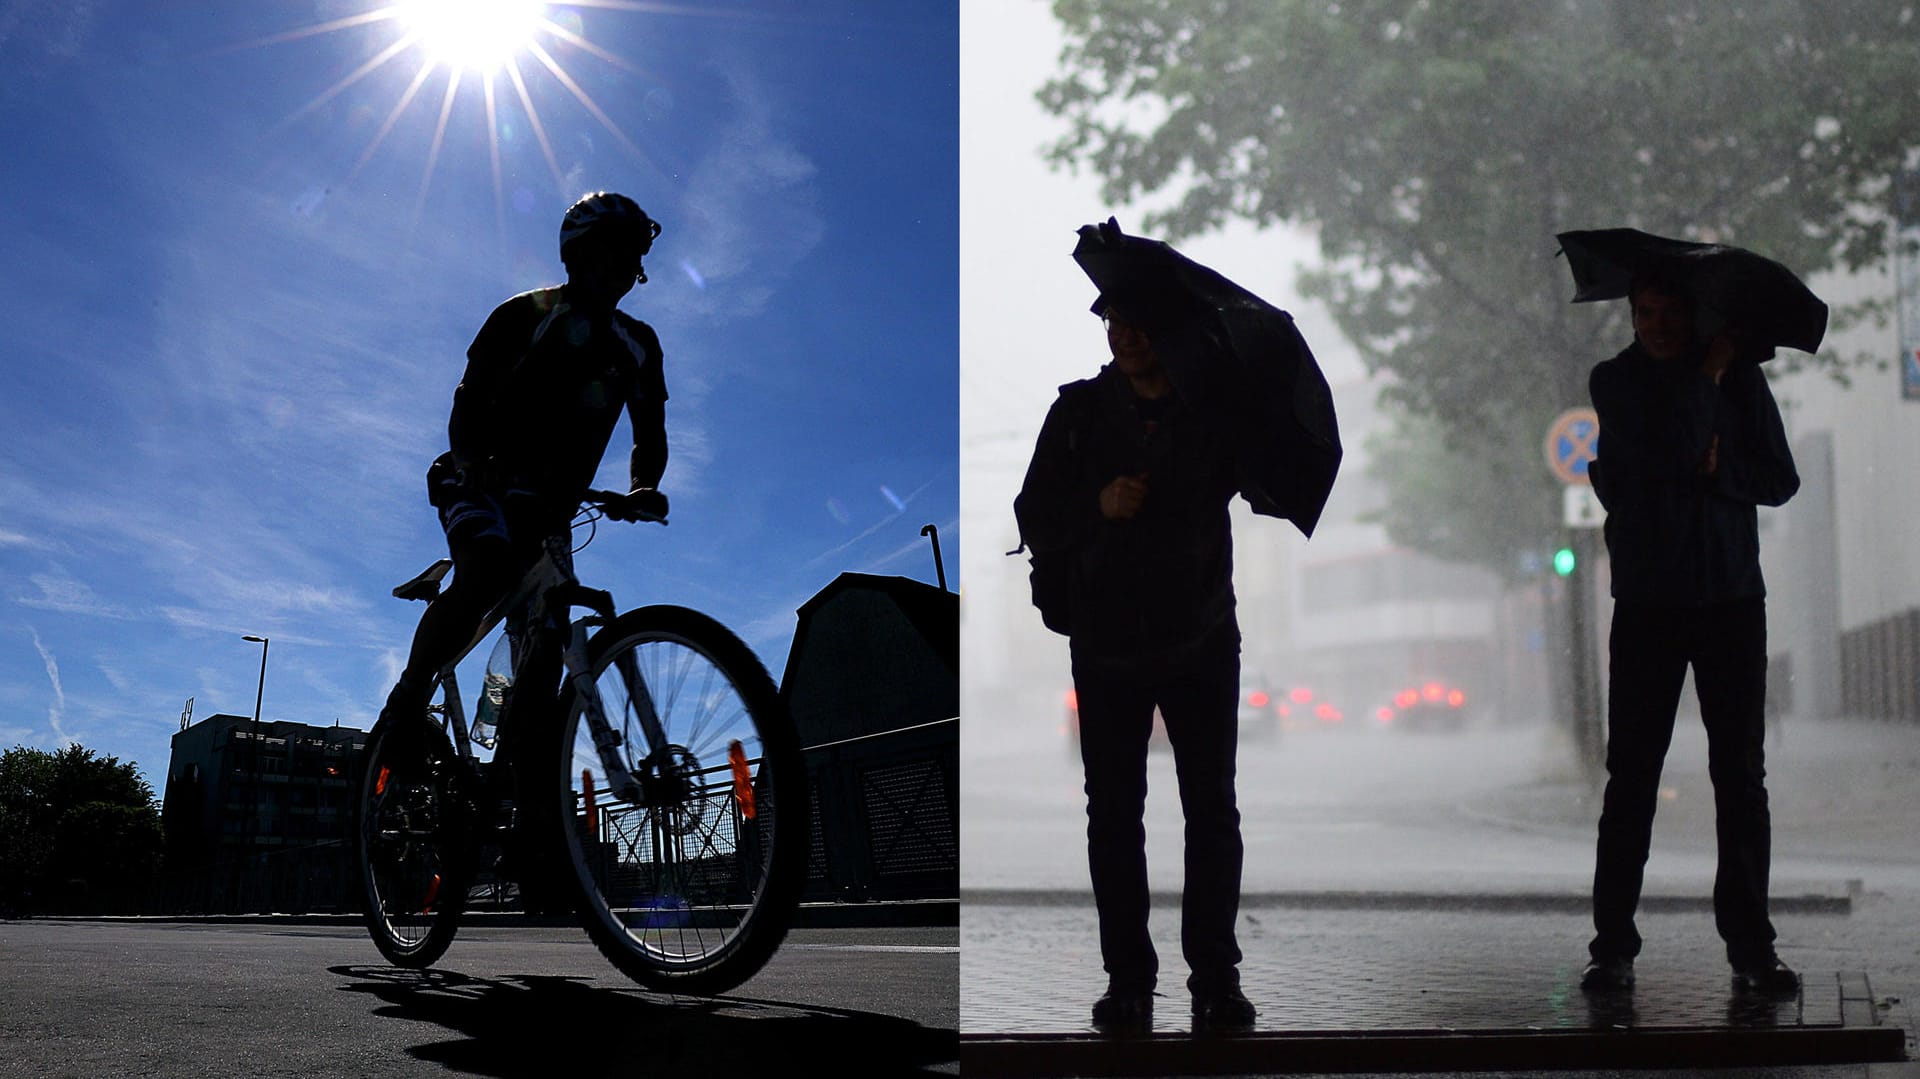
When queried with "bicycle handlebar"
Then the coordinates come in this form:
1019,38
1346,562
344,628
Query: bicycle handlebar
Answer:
601,499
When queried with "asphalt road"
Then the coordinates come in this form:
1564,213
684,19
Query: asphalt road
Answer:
182,999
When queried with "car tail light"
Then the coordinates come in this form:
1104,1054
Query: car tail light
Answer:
1406,698
1073,699
1300,694
1433,691
1257,699
1385,714
1456,698
1327,712
1284,709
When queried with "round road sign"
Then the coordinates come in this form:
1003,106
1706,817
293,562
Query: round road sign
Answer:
1573,440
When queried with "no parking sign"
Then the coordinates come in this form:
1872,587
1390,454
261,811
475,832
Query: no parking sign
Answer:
1573,440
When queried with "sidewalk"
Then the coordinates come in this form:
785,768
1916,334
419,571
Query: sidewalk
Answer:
1486,975
1407,988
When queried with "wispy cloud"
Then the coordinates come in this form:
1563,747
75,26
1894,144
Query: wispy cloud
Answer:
57,709
63,593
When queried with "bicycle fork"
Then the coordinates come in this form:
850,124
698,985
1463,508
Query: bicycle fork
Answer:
621,781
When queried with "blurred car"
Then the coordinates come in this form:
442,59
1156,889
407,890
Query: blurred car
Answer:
1302,707
1430,706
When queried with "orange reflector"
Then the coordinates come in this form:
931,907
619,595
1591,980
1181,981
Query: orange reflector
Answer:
380,782
742,782
586,798
433,893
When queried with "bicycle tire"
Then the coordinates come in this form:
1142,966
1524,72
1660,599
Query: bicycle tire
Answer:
693,890
413,845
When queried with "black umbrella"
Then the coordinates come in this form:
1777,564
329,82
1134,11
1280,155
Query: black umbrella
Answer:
1236,360
1739,286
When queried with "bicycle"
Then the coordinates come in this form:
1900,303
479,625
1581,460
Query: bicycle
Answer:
657,790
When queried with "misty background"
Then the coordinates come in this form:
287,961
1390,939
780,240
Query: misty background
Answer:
1393,174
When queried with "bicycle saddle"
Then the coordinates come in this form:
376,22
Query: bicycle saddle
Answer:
427,584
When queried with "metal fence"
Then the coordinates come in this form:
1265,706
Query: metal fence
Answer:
886,815
1880,668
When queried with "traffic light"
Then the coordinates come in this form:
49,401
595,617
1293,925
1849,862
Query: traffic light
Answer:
1563,561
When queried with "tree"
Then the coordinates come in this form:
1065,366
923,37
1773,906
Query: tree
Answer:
1436,148
79,833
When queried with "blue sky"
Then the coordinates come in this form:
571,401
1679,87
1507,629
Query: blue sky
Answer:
235,312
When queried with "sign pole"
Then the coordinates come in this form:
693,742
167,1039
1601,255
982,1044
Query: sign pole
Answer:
1572,444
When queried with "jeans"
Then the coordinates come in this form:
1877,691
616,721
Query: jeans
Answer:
1198,703
1652,646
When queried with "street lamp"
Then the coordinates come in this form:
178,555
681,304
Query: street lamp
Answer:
253,824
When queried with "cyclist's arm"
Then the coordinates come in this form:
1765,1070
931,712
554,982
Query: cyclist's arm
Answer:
647,409
648,461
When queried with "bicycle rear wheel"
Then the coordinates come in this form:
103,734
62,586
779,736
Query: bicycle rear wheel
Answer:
689,884
413,843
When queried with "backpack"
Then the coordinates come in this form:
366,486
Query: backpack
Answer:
1050,573
1050,577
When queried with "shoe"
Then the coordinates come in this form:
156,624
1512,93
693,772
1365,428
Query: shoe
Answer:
1222,1011
1610,975
1768,977
1123,1012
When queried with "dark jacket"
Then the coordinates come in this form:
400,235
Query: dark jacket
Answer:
1153,589
1678,537
543,391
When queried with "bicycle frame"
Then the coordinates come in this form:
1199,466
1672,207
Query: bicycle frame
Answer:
549,589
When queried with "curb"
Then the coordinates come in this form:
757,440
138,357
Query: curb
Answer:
1838,901
1424,1051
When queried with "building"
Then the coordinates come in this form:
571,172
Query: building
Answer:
873,684
260,817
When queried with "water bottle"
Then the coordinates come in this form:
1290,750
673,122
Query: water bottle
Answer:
494,692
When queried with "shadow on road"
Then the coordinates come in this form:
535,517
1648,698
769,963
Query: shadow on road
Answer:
521,1024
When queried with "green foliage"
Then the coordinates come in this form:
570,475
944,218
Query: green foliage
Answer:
1436,148
79,833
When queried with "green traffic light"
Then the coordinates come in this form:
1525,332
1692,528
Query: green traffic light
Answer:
1563,561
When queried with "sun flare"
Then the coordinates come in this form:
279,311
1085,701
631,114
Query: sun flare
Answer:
473,35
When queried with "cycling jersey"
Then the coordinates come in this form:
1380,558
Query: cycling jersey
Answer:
543,389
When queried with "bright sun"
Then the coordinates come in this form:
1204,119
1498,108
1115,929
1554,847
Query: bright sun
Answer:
474,35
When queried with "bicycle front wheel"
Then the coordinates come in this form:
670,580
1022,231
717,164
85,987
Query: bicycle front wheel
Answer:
687,880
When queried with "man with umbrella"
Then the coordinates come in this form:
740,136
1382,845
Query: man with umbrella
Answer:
1126,501
1690,443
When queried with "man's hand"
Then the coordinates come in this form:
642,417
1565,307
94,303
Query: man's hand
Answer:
1711,462
1121,499
642,504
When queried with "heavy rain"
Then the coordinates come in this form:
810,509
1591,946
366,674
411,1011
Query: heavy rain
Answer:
1424,681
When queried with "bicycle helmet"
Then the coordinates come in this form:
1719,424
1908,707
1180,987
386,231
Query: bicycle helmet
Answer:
608,220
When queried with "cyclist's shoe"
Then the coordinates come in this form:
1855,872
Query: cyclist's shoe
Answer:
1123,1011
1767,976
1609,974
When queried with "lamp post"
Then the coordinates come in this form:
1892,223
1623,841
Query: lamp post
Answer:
253,822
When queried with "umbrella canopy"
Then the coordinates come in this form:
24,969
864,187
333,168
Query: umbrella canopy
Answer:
1236,360
1737,285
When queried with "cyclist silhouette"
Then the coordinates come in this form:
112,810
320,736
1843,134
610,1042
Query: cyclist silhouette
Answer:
546,379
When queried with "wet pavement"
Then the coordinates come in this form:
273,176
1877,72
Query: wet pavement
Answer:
1437,987
1399,918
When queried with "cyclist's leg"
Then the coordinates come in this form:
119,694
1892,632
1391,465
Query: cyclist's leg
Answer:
483,570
